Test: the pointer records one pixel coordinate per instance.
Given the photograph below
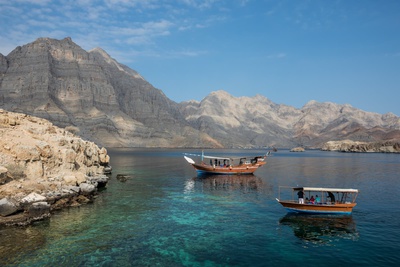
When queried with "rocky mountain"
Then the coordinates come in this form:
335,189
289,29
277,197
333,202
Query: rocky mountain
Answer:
112,105
242,121
107,102
257,121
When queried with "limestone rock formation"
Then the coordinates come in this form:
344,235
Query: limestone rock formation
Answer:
354,146
41,164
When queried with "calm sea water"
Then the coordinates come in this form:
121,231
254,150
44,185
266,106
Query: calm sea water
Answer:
164,215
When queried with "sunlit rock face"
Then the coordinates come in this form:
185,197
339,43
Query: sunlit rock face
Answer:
107,102
36,156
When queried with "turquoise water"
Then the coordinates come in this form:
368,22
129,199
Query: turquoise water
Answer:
164,215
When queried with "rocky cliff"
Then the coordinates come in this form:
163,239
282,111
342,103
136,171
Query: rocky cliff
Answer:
41,163
107,102
112,105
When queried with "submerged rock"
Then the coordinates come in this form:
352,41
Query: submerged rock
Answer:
123,177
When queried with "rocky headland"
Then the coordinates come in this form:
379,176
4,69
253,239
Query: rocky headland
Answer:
392,146
44,168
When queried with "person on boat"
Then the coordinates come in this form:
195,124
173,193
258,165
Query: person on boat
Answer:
317,200
300,194
312,199
331,196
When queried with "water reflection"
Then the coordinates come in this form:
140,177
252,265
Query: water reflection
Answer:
244,183
321,229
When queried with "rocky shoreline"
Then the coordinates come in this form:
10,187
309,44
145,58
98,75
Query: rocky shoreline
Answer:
392,146
44,168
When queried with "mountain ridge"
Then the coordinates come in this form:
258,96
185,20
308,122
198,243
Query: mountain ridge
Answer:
113,105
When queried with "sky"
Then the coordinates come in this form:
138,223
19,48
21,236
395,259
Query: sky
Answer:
344,51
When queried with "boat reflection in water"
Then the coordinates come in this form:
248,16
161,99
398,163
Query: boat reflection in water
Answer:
218,182
321,229
231,182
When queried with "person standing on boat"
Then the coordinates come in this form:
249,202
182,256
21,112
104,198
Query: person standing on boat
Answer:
331,196
300,194
317,200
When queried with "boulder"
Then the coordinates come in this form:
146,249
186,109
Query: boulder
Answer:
33,197
87,188
7,207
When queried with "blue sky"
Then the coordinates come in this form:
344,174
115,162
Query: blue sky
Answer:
346,52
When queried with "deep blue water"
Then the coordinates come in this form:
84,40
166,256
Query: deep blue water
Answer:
164,215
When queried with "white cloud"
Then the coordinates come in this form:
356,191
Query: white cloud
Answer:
108,22
141,33
187,53
34,2
278,55
145,4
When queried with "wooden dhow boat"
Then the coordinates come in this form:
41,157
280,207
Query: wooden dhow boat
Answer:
226,165
319,200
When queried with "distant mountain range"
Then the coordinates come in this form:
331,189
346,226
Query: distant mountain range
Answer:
109,103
